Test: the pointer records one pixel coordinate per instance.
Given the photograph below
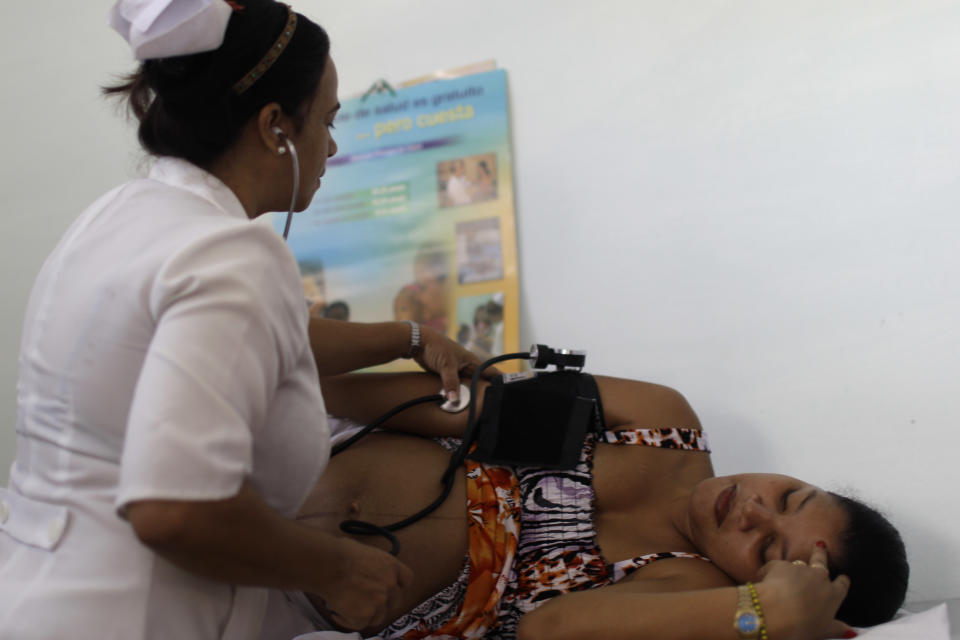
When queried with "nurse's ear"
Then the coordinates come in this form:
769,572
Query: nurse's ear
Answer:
271,126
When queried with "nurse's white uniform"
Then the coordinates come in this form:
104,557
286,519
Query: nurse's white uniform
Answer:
165,355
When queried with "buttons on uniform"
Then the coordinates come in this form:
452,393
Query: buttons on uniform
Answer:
55,530
33,522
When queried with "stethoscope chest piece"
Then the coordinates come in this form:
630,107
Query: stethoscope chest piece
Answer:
457,407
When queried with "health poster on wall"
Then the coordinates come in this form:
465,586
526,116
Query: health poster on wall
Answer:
415,216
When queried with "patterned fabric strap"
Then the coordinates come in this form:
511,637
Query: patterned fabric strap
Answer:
667,438
620,570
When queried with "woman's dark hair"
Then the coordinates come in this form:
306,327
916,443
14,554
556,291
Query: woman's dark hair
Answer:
186,104
875,560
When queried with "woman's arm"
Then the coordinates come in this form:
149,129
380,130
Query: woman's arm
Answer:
617,613
798,603
224,540
644,404
366,396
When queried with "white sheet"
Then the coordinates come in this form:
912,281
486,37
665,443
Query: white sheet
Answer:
931,624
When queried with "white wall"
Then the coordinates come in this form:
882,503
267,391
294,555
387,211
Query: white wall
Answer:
754,202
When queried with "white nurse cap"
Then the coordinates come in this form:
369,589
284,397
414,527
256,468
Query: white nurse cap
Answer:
165,28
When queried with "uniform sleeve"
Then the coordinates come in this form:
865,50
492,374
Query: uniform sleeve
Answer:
230,324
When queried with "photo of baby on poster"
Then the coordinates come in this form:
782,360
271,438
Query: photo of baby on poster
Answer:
415,220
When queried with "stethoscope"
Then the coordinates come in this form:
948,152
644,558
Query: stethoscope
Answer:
289,146
540,356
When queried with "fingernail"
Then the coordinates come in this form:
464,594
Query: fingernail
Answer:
823,545
850,634
452,396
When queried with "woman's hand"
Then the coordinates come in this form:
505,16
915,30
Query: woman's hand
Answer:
364,586
800,601
445,357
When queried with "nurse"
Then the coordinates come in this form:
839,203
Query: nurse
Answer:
170,421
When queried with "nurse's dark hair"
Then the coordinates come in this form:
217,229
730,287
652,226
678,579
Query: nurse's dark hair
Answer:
873,556
186,105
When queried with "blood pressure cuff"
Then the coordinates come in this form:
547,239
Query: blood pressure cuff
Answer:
539,420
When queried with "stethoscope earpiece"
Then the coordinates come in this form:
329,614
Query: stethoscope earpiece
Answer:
288,146
283,140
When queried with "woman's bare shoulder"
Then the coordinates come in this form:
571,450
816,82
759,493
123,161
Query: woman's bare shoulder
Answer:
633,402
676,574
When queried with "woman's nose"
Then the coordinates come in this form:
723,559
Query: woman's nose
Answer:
753,514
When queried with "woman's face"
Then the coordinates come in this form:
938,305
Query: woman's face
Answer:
315,141
742,522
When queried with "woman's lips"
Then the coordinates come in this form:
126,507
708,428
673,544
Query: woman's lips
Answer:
722,506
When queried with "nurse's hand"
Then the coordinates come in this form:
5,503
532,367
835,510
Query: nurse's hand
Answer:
363,589
450,360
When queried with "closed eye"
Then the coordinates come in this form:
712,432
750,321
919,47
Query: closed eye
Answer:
783,499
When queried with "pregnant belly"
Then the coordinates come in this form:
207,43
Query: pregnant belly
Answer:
388,477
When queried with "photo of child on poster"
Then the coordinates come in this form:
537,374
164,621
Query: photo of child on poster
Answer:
480,324
479,250
314,287
424,300
467,180
315,293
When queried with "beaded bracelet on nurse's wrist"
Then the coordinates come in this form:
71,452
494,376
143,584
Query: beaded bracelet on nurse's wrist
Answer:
748,618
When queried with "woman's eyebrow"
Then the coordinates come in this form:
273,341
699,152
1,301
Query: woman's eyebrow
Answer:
335,108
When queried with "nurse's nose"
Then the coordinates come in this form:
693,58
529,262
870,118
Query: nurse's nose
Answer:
754,514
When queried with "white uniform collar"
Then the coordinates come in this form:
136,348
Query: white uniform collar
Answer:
188,176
